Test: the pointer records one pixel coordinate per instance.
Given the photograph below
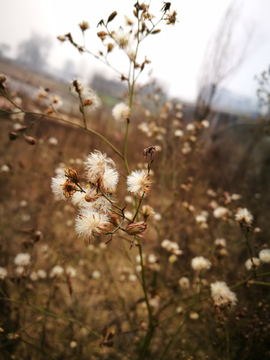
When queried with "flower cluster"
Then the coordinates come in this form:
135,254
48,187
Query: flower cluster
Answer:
223,297
96,199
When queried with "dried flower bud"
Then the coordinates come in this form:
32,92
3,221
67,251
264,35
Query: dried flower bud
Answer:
115,219
136,229
102,35
112,16
110,46
13,135
77,86
147,210
69,189
61,38
156,31
92,196
101,22
84,25
166,6
108,343
30,140
88,102
3,79
72,175
111,335
37,235
151,150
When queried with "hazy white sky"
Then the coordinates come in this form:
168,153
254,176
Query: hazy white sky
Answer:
176,53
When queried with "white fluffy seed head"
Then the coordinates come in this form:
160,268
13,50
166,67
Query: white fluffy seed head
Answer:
244,216
22,259
264,255
56,271
109,180
220,212
56,186
200,263
3,273
121,112
95,165
138,182
184,283
222,295
90,223
249,264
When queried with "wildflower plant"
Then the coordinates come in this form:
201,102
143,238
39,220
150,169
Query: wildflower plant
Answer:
103,214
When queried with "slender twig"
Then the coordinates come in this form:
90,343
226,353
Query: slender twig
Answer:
171,340
82,111
68,122
259,283
227,340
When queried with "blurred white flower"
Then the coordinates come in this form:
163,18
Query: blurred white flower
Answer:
222,295
264,255
200,263
56,271
33,276
96,274
5,168
236,197
205,123
129,199
71,271
53,141
121,112
152,258
157,217
73,344
42,274
244,216
132,277
249,265
190,127
220,242
220,212
211,192
3,273
22,259
122,39
184,283
193,315
179,133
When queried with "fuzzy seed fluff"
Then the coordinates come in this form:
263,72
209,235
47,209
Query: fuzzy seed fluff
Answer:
200,263
222,295
90,223
138,182
121,112
264,255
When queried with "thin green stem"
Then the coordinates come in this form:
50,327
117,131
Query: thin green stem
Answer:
259,283
138,207
249,249
82,111
171,340
227,340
